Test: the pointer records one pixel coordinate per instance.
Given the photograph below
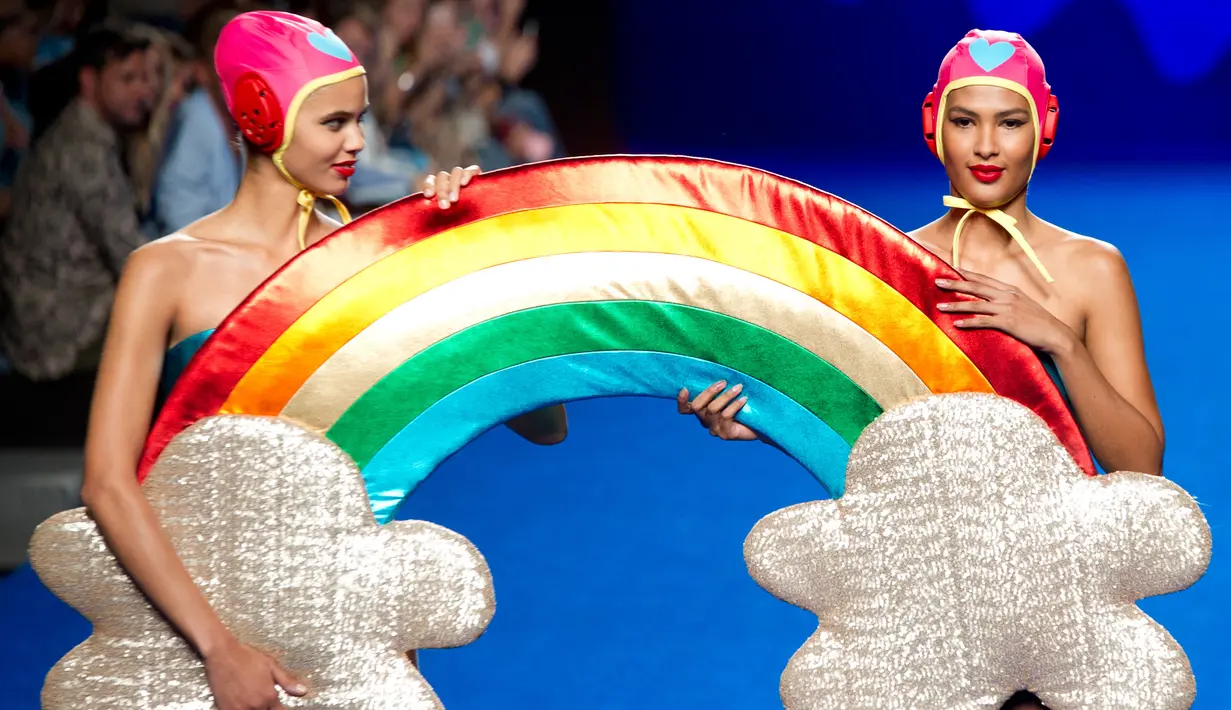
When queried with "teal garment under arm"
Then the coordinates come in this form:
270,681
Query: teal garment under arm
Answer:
174,362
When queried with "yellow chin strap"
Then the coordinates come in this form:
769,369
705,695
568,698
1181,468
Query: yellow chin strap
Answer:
307,202
307,198
1004,220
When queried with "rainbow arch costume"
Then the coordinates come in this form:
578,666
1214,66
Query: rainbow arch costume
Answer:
598,277
337,386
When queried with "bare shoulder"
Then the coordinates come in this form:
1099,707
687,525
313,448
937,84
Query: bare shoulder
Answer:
165,258
1093,274
1088,260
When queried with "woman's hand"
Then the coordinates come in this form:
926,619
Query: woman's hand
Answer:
1008,310
716,411
446,186
243,678
518,58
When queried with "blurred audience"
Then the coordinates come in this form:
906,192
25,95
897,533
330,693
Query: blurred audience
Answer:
170,68
203,160
111,135
74,218
384,173
18,44
61,18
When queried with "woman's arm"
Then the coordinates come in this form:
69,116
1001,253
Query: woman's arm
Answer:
1106,375
119,421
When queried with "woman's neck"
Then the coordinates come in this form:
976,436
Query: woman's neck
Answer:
981,237
268,202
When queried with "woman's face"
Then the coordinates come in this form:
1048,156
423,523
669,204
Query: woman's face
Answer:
328,136
988,139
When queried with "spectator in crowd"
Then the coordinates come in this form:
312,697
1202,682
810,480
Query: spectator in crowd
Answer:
55,71
383,174
170,67
74,220
400,22
522,120
61,20
18,42
203,160
444,81
452,91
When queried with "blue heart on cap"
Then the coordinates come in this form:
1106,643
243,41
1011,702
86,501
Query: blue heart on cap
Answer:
330,44
990,56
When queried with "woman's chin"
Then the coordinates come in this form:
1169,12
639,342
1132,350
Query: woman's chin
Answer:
331,186
986,196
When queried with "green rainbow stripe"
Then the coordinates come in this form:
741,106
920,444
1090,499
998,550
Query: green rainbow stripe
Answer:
550,331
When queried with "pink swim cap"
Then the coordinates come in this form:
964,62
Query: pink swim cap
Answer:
994,58
268,63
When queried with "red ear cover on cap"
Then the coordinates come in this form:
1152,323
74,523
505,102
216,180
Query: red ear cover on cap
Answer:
1047,133
256,111
929,122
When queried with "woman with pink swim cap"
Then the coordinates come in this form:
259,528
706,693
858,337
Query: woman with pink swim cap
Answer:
990,117
297,95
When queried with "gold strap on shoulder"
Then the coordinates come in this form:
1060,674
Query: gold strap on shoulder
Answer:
307,202
1004,220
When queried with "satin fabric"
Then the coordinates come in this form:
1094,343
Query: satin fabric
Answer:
455,420
572,328
820,273
1013,370
448,309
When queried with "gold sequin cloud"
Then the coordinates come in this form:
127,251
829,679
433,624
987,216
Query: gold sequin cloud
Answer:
274,525
970,558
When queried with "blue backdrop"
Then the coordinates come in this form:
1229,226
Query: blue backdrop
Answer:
1136,79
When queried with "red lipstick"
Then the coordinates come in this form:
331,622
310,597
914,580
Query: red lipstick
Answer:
345,168
986,173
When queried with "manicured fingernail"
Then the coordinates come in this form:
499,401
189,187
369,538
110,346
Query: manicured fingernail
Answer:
455,196
737,388
943,306
444,204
